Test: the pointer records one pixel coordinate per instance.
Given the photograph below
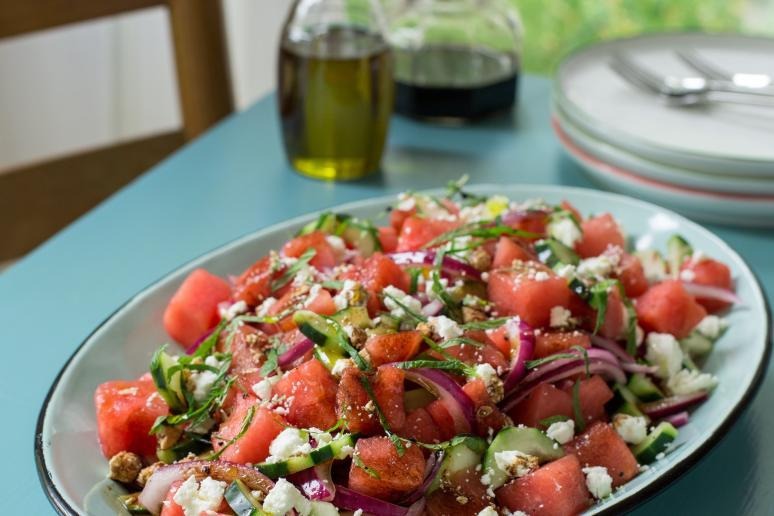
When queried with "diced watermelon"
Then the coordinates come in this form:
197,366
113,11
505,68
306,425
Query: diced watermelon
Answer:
616,320
398,217
247,345
532,221
389,476
543,402
393,347
442,419
713,273
388,389
351,400
485,354
632,276
516,294
420,427
254,285
374,273
598,233
388,238
416,232
593,393
508,250
310,391
461,486
556,489
295,299
170,506
550,342
489,419
126,411
600,445
668,308
499,337
567,205
325,256
193,309
253,446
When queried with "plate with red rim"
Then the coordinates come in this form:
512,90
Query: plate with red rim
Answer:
72,468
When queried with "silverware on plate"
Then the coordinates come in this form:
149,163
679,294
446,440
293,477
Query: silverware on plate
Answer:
710,70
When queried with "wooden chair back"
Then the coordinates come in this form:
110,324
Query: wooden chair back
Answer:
39,199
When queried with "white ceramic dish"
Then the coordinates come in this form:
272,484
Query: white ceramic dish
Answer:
72,469
753,186
722,138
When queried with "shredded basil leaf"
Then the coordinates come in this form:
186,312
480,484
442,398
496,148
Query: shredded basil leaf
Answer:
343,341
532,364
454,366
414,274
396,441
294,269
242,430
271,364
553,419
490,324
598,300
454,341
411,313
360,464
631,327
207,344
486,230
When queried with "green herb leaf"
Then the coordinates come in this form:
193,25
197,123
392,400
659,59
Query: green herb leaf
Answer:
411,313
205,348
454,188
271,364
294,269
631,327
454,366
453,308
343,341
598,301
553,419
414,274
580,422
486,230
360,464
532,364
454,341
490,324
396,441
585,354
242,430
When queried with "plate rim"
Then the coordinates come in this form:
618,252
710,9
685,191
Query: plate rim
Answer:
639,145
61,506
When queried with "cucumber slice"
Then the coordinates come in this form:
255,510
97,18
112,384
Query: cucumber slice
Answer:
416,398
323,334
696,345
656,442
353,316
678,250
169,388
360,234
242,501
181,449
627,401
326,222
653,265
336,449
644,388
526,440
552,252
131,504
459,457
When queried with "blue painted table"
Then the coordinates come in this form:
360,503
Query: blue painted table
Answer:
235,180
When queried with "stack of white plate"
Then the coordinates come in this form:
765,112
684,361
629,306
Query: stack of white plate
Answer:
713,162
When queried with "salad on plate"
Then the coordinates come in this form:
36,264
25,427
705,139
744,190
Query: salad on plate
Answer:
474,355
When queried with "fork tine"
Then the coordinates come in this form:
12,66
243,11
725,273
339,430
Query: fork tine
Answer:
701,65
635,74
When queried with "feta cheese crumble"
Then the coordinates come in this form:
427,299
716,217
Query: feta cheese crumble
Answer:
663,351
686,381
515,463
444,327
289,442
404,299
283,497
337,245
564,230
201,382
494,386
232,311
560,317
196,498
562,431
599,483
263,388
632,429
600,266
348,295
488,511
340,366
711,326
263,310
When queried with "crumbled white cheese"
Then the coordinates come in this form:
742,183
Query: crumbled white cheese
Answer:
201,382
488,511
663,351
320,436
263,388
196,498
600,266
263,310
566,271
515,513
542,276
340,365
632,429
476,213
283,497
406,202
515,463
598,481
233,310
565,230
337,245
686,381
494,386
560,317
349,290
305,275
290,442
562,431
687,275
711,326
444,327
431,294
324,509
313,293
404,299
653,266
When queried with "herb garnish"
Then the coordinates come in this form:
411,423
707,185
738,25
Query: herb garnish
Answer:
294,269
396,441
553,419
414,315
242,430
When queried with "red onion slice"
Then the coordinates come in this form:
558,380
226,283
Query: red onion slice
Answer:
611,346
417,508
157,486
633,367
672,405
522,339
315,482
431,470
449,264
709,292
298,350
459,404
352,500
679,419
434,307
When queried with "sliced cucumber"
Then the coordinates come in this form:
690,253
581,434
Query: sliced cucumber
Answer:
657,442
627,401
678,250
131,504
526,440
323,334
326,222
181,449
416,398
644,388
387,324
553,253
353,316
242,501
653,265
360,234
336,449
459,457
696,345
170,388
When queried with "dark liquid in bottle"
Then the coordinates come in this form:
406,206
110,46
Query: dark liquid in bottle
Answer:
454,84
335,98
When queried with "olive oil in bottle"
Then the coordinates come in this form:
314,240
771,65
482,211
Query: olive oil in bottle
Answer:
335,98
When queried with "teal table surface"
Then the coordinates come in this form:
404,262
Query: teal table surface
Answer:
235,180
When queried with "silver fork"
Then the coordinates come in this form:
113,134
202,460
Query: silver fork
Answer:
712,71
686,91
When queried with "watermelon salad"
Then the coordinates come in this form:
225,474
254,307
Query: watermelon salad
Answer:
474,355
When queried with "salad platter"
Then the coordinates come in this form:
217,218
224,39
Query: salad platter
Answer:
470,350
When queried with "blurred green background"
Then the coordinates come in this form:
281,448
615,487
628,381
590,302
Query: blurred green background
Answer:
555,27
